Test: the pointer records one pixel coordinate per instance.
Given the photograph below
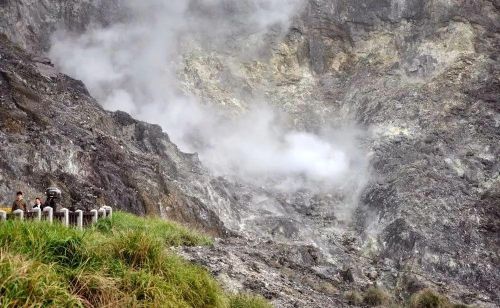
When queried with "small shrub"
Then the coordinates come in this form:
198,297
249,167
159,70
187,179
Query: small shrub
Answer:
353,298
248,301
375,297
428,298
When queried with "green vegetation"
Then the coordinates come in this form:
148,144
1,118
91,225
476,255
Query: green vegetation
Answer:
117,263
376,297
428,298
248,301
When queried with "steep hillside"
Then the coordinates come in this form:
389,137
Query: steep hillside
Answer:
52,132
421,77
31,23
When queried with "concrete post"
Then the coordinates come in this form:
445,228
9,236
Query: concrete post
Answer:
38,212
19,213
66,216
50,213
102,211
3,215
95,216
79,220
109,211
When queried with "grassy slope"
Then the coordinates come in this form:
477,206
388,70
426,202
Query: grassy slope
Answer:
120,263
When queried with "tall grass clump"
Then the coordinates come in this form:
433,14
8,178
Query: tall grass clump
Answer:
248,301
119,262
428,298
375,296
25,282
353,298
170,233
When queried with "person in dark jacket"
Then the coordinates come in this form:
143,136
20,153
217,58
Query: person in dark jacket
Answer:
38,204
19,203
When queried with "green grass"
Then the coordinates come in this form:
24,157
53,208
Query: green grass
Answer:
248,301
123,262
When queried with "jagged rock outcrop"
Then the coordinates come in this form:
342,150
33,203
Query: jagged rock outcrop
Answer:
420,77
52,132
31,23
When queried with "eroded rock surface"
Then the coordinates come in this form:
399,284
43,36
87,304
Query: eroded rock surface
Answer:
52,132
420,77
31,23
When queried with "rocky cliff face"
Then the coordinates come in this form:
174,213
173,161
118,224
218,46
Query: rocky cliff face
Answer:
31,24
420,77
54,133
423,76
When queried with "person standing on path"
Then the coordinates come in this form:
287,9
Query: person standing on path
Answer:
19,203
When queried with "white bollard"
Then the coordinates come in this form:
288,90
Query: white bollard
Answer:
103,212
109,211
95,216
65,211
3,215
79,220
38,213
50,213
19,213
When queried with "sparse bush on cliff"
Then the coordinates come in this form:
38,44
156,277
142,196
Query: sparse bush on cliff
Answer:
428,298
248,301
375,296
123,262
353,298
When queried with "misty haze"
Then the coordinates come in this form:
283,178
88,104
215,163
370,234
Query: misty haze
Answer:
135,66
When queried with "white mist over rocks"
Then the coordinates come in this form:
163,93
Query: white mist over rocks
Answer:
131,66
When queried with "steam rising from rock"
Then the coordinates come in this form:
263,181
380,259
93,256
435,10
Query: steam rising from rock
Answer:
131,66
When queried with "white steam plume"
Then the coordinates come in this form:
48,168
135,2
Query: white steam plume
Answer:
131,67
